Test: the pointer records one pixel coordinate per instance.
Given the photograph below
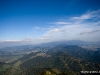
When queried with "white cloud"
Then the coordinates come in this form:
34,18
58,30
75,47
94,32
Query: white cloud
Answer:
12,41
89,32
87,23
44,37
54,30
88,15
61,23
28,38
17,42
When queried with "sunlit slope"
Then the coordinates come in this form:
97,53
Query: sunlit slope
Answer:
64,58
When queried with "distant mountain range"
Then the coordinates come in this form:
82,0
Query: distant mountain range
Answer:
59,59
73,42
69,42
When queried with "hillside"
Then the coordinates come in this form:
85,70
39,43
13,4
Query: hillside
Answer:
57,60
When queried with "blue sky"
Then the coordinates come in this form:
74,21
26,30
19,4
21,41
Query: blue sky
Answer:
39,21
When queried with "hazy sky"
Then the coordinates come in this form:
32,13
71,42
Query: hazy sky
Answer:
49,20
